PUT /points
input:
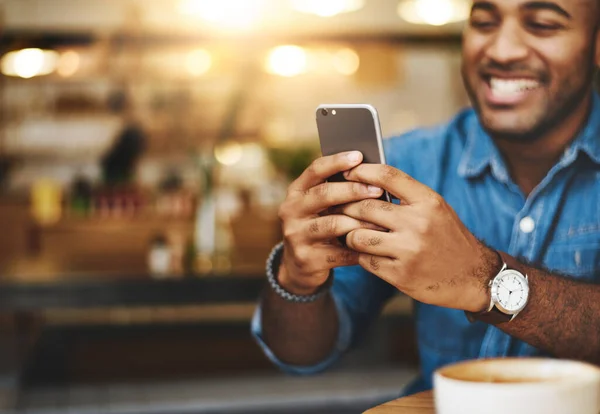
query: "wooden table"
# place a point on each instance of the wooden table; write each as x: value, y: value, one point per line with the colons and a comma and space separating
x: 421, y: 403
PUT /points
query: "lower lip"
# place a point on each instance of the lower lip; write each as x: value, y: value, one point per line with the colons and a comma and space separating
x: 509, y: 100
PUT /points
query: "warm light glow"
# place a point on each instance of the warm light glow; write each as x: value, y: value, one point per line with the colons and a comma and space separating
x: 68, y: 64
x: 433, y: 12
x: 46, y: 201
x: 346, y: 61
x: 28, y: 63
x: 327, y: 8
x: 198, y: 62
x: 235, y: 14
x: 287, y: 61
x: 228, y: 154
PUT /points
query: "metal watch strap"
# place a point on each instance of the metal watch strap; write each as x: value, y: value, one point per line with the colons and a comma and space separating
x: 493, y: 316
x: 272, y: 268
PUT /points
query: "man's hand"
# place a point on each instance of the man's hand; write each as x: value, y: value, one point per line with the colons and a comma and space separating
x: 428, y: 253
x: 311, y: 249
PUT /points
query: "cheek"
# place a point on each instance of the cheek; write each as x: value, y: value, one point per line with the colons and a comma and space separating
x: 469, y: 51
x: 472, y: 53
x: 566, y: 61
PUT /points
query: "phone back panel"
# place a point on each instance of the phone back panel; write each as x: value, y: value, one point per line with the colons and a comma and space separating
x: 352, y: 128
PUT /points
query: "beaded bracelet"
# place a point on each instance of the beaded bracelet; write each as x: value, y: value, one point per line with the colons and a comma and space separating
x: 273, y: 262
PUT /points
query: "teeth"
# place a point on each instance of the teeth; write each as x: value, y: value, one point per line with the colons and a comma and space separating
x: 511, y: 87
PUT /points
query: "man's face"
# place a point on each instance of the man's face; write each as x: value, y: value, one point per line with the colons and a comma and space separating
x: 528, y: 64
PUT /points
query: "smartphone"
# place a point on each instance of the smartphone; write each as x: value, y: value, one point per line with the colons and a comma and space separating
x: 351, y: 127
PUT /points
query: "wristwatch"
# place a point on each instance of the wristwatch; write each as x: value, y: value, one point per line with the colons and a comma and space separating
x: 509, y: 293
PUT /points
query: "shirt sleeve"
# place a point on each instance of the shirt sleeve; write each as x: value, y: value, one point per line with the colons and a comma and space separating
x: 358, y: 297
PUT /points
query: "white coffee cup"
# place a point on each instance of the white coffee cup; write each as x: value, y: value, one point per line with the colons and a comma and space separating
x: 517, y: 386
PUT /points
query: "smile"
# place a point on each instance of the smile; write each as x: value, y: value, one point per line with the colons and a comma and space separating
x: 506, y: 91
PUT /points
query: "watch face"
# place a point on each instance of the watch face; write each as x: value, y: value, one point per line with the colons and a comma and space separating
x: 510, y: 291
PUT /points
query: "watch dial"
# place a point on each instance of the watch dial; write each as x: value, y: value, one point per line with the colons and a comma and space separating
x: 511, y: 291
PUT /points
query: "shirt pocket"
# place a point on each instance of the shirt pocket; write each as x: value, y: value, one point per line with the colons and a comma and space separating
x: 578, y: 259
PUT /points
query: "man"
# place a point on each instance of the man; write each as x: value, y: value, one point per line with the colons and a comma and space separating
x: 518, y: 176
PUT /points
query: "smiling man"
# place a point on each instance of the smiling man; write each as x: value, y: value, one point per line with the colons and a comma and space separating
x: 497, y: 237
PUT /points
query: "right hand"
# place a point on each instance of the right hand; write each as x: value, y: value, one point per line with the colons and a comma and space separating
x: 311, y: 249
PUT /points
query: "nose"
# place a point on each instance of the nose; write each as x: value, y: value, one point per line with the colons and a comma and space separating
x: 507, y: 45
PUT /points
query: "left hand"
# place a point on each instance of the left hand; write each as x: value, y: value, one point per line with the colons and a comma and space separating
x: 428, y: 252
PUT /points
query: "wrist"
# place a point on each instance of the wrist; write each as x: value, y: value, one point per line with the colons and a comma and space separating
x: 286, y: 282
x: 490, y: 263
x: 291, y: 292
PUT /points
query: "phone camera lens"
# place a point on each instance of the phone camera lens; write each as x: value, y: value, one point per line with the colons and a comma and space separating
x: 324, y: 112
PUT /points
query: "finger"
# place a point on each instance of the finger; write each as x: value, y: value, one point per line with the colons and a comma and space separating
x: 328, y: 227
x: 378, y: 212
x: 379, y: 266
x: 324, y: 167
x: 338, y: 210
x: 373, y: 242
x: 396, y: 182
x: 330, y: 257
x: 326, y: 195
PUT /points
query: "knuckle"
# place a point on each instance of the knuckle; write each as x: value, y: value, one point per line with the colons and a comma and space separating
x: 366, y: 206
x: 289, y: 232
x: 389, y: 173
x: 322, y: 190
x: 331, y: 224
x: 422, y: 225
x: 437, y: 202
x: 283, y: 212
x: 293, y: 194
x: 313, y: 228
x: 301, y: 257
x: 384, y: 206
x: 316, y: 166
x: 369, y: 262
x: 289, y: 193
x: 416, y: 247
x: 312, y: 167
x: 374, y: 263
x: 348, y: 257
x: 374, y: 241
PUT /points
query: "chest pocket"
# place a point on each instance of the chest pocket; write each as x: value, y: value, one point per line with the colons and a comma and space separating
x: 576, y: 252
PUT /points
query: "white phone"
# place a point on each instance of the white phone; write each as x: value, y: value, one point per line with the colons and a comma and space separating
x: 351, y: 127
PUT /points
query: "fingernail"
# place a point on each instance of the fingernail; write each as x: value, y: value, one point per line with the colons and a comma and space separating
x: 346, y: 174
x: 374, y: 190
x: 354, y: 156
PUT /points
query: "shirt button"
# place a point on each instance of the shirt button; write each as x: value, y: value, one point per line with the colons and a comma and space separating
x: 527, y: 225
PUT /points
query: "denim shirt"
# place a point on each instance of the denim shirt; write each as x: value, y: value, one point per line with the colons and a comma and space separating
x: 556, y: 227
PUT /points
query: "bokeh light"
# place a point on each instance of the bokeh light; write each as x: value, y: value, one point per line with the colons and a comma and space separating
x: 198, y: 62
x: 68, y: 64
x: 433, y: 12
x: 327, y: 8
x: 27, y: 63
x: 287, y: 61
x: 346, y: 61
x: 231, y: 14
x: 229, y: 153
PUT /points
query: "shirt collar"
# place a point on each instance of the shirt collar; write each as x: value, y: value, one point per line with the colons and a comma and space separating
x: 480, y: 151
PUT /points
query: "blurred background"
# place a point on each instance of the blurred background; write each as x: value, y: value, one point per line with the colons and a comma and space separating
x: 145, y: 146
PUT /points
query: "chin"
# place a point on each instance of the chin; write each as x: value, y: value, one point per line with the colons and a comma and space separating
x: 512, y: 133
x: 516, y: 126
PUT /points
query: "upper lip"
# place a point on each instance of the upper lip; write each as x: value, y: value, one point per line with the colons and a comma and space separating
x: 488, y: 74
